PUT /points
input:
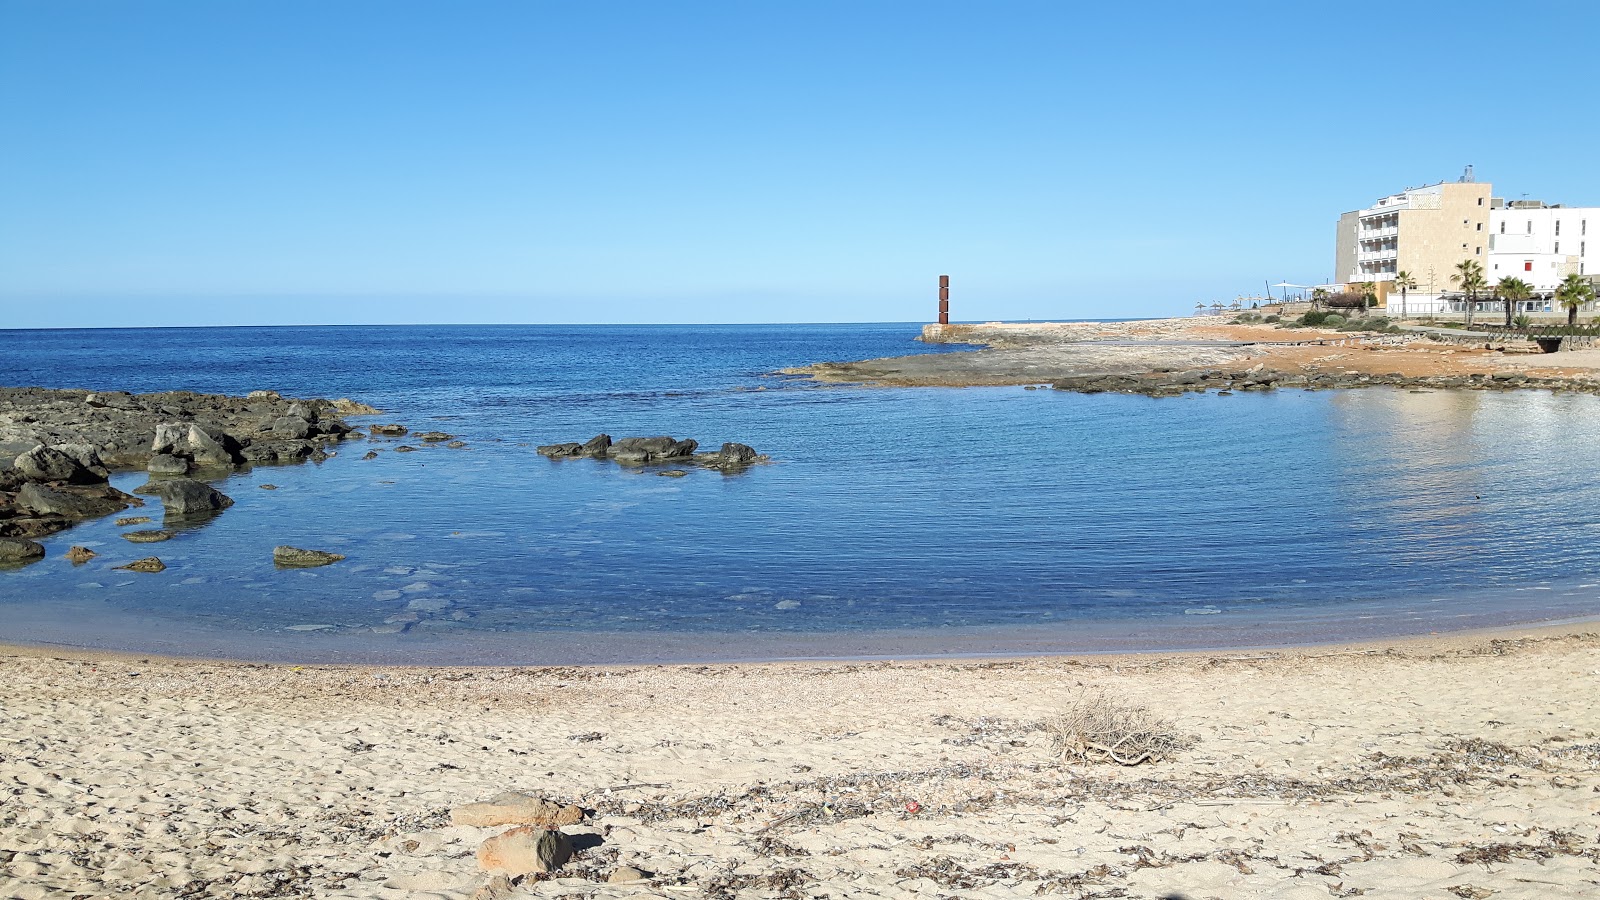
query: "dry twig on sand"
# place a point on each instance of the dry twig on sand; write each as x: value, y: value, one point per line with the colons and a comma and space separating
x: 1101, y: 728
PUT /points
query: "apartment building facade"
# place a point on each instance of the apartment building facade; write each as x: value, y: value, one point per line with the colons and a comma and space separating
x: 1539, y: 243
x: 1428, y: 231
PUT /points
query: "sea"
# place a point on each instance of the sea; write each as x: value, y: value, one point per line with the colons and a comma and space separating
x: 890, y: 522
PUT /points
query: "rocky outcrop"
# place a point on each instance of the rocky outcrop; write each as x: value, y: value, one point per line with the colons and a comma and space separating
x: 296, y: 558
x: 150, y: 564
x: 14, y: 551
x: 68, y: 442
x: 663, y: 449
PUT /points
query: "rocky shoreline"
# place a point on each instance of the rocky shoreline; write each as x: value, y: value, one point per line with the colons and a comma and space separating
x: 1170, y: 357
x: 1171, y: 383
x: 58, y: 449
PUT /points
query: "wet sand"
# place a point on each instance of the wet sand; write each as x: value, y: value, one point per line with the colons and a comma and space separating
x: 1454, y: 766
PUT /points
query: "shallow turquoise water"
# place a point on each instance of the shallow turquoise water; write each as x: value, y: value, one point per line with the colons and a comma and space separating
x: 892, y: 522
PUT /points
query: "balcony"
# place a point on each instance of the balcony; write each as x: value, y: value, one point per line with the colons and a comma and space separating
x: 1377, y: 255
x: 1374, y: 234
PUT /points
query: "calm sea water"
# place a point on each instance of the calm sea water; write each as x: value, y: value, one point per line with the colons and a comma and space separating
x: 892, y: 522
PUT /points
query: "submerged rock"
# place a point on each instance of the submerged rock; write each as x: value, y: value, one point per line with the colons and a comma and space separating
x: 132, y: 520
x: 149, y: 564
x: 388, y: 430
x: 153, y: 536
x: 296, y: 558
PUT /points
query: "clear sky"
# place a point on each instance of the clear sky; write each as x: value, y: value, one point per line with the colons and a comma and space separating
x: 207, y: 162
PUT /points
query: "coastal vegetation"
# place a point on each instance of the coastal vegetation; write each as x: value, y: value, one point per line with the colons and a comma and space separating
x: 1572, y: 293
x: 1469, y: 277
x: 1511, y: 290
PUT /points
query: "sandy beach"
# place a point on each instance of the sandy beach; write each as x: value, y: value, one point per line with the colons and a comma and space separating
x: 1466, y: 766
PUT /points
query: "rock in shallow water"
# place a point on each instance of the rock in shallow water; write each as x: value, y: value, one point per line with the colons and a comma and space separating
x: 15, y: 550
x: 296, y: 558
x: 185, y: 496
x: 80, y: 555
x: 150, y: 564
x: 154, y: 536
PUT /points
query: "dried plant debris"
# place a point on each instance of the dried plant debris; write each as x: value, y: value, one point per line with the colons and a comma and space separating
x: 1100, y: 728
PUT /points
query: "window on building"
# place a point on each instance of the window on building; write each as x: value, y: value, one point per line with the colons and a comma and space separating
x: 1558, y: 247
x: 1480, y: 201
x: 1583, y: 248
x: 1480, y: 226
x: 1530, y: 226
x: 1477, y: 251
x: 1527, y: 265
x: 1502, y: 226
x: 1558, y: 228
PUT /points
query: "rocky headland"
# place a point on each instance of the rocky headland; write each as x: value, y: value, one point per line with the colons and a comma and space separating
x: 1169, y: 357
x: 58, y: 449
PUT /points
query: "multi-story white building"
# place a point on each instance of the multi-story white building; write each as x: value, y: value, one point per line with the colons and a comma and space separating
x: 1538, y: 243
x: 1427, y: 232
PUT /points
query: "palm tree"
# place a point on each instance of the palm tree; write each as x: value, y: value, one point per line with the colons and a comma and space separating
x: 1469, y: 275
x: 1511, y: 290
x: 1572, y: 293
x: 1369, y: 294
x: 1404, y: 282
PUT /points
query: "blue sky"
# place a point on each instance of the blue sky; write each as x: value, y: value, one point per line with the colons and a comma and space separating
x: 292, y: 162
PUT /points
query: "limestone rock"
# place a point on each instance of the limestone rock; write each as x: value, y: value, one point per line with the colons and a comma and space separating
x: 148, y: 564
x: 736, y: 455
x: 625, y: 874
x: 51, y: 464
x: 15, y: 550
x: 434, y: 437
x: 192, y: 442
x: 80, y: 555
x: 515, y: 809
x: 132, y: 520
x: 344, y: 406
x: 388, y: 430
x: 47, y: 501
x: 167, y: 464
x: 296, y: 558
x: 152, y: 536
x: 185, y: 496
x: 524, y: 851
x: 370, y: 454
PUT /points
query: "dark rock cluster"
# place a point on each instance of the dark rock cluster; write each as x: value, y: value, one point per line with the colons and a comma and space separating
x: 643, y: 451
x: 59, y: 447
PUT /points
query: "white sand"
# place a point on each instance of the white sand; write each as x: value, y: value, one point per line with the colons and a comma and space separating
x: 1316, y: 773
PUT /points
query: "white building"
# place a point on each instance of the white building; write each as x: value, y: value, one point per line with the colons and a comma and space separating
x: 1539, y: 244
x: 1426, y: 232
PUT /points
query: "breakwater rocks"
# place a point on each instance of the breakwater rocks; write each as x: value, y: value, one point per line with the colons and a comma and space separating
x: 59, y: 447
x: 1172, y: 383
x: 643, y: 451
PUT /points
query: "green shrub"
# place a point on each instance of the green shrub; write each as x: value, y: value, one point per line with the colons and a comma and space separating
x: 1522, y: 321
x: 1314, y: 318
x: 1331, y: 320
x: 1273, y: 319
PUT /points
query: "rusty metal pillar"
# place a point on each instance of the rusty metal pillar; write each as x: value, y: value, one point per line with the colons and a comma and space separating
x: 944, y: 299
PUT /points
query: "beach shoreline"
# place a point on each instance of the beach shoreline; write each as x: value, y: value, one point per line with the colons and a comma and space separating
x: 1408, y: 768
